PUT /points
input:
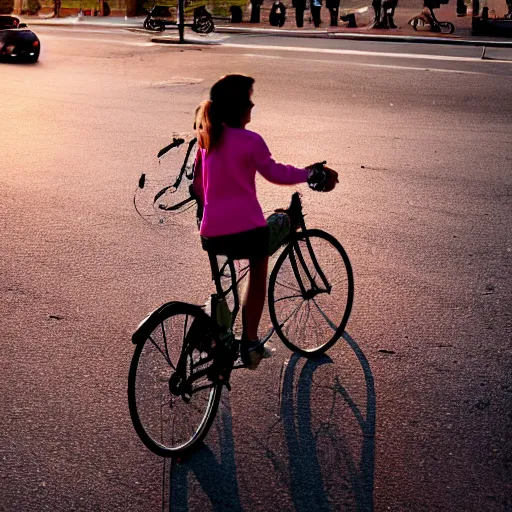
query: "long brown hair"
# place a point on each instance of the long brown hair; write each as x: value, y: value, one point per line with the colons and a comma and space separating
x: 228, y: 104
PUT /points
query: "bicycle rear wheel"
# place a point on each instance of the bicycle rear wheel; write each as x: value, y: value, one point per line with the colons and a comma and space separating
x: 172, y: 403
x: 310, y: 294
x: 154, y: 25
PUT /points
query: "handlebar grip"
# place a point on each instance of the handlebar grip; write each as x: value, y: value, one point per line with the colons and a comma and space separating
x: 317, y: 177
x: 320, y: 177
x: 318, y: 165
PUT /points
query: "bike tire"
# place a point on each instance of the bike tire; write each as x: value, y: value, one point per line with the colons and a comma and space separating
x: 284, y: 279
x: 448, y: 25
x: 155, y: 25
x: 168, y: 424
x: 204, y: 25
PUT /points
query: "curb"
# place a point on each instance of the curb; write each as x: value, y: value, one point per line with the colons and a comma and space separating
x: 367, y: 37
x: 425, y: 40
x: 316, y: 34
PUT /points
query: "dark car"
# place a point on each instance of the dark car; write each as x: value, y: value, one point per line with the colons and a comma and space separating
x: 17, y: 42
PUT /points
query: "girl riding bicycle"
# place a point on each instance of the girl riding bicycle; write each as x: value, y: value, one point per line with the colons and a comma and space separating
x: 232, y: 220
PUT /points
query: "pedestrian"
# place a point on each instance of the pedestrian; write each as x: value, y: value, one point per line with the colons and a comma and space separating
x: 428, y: 12
x: 236, y: 14
x: 232, y: 220
x: 389, y: 12
x: 255, y: 10
x: 377, y: 6
x: 386, y: 15
x: 277, y: 15
x: 316, y: 6
x: 334, y: 9
x: 300, y: 7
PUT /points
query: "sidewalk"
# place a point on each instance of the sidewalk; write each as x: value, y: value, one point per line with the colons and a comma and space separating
x: 404, y: 32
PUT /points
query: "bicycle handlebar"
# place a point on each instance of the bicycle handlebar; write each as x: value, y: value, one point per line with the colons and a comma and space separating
x: 322, y: 178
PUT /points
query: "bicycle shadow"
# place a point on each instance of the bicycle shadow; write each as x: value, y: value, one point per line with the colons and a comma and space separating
x: 320, y: 450
x: 217, y: 478
x: 321, y: 462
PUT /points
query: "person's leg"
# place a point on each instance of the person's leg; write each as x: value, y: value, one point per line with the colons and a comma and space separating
x: 255, y: 13
x: 384, y: 14
x: 299, y: 17
x: 391, y: 21
x: 376, y: 8
x: 315, y: 11
x: 254, y: 298
x: 334, y: 16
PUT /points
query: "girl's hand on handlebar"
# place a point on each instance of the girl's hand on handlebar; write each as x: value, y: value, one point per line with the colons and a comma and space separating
x: 321, y: 178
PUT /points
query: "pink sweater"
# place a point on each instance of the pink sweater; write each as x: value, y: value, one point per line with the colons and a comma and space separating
x: 225, y: 180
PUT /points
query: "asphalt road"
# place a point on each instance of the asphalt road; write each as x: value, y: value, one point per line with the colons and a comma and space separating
x: 412, y: 412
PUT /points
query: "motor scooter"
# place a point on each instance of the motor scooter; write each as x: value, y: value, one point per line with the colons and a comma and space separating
x: 159, y: 18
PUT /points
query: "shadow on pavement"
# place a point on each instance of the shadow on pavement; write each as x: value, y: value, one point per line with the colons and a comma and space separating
x: 321, y: 448
x: 217, y: 478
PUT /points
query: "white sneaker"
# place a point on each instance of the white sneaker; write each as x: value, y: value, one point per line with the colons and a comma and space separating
x: 254, y: 353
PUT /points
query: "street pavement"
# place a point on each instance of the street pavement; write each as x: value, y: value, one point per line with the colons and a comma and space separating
x: 409, y: 412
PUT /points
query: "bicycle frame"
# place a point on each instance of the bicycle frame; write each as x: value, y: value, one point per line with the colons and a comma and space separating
x: 180, y: 385
x: 297, y: 260
x: 217, y: 273
x: 296, y: 249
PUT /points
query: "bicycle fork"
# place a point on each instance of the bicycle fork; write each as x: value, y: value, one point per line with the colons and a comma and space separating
x: 296, y: 258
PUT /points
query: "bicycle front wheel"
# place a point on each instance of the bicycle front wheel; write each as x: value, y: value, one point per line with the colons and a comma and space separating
x: 203, y: 25
x: 310, y: 293
x: 447, y: 27
x: 172, y: 403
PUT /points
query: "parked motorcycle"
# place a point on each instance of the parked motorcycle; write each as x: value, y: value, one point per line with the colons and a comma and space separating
x: 160, y: 17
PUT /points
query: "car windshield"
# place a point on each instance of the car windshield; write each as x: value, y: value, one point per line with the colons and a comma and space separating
x: 8, y: 22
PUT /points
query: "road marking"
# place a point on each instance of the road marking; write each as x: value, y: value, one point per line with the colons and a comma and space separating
x: 172, y: 82
x: 91, y: 40
x: 361, y: 53
x: 366, y: 64
x: 84, y: 30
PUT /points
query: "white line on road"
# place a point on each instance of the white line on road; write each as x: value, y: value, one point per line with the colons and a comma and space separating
x: 84, y: 30
x: 112, y: 41
x: 362, y: 53
x: 365, y: 64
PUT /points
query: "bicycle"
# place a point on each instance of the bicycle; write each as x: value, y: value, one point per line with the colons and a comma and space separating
x: 427, y: 18
x: 184, y: 356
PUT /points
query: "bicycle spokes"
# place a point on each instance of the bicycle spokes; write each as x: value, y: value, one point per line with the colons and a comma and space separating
x: 172, y: 400
x: 310, y: 292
